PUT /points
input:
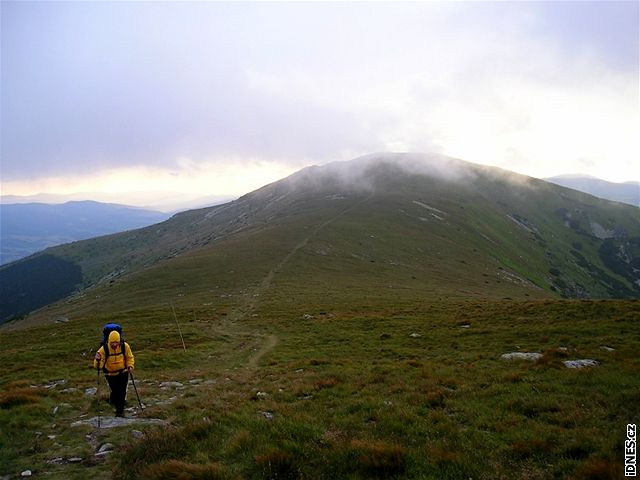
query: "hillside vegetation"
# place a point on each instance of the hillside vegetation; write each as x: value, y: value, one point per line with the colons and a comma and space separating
x: 429, y: 225
x: 348, y: 322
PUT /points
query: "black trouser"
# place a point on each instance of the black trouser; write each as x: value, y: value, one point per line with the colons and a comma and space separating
x: 118, y: 385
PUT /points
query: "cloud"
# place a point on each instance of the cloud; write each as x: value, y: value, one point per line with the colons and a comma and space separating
x: 537, y: 87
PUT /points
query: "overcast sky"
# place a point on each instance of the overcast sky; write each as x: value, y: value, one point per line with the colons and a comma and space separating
x: 221, y: 98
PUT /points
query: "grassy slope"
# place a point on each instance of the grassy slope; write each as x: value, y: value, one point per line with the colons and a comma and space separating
x: 352, y: 393
x: 317, y: 310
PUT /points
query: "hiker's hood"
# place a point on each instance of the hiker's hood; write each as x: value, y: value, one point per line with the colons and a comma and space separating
x: 114, y: 337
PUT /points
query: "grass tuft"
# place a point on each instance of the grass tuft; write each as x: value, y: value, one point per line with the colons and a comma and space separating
x: 599, y: 469
x: 177, y: 470
x: 18, y: 396
x: 276, y: 463
x: 379, y: 458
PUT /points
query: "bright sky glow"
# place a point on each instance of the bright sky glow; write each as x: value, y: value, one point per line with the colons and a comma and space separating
x: 214, y: 98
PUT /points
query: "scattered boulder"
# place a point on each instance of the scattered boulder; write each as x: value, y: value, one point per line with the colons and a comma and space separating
x: 26, y: 473
x: 54, y: 384
x: 167, y: 385
x: 106, y: 447
x: 531, y: 356
x: 111, y: 422
x: 415, y: 335
x: 90, y: 391
x: 582, y: 363
x: 267, y: 415
x: 168, y: 401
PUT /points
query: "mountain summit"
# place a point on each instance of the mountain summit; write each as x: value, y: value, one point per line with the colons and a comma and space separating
x: 401, y: 226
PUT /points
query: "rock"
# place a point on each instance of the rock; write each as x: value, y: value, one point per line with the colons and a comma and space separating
x: 61, y: 319
x: 55, y: 410
x: 531, y: 356
x: 415, y: 335
x: 90, y: 391
x: 582, y: 363
x: 106, y: 447
x: 56, y: 461
x: 74, y: 460
x: 137, y: 434
x: 210, y: 382
x: 195, y: 381
x: 26, y: 473
x: 306, y: 316
x: 608, y: 349
x: 167, y: 385
x: 54, y: 384
x: 111, y: 422
x: 262, y: 394
x: 267, y: 415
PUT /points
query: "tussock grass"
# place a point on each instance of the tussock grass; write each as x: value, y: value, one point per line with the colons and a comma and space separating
x: 177, y: 470
x: 347, y: 395
x: 19, y: 396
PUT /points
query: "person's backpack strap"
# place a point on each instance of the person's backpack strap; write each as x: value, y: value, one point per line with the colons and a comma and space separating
x: 107, y: 329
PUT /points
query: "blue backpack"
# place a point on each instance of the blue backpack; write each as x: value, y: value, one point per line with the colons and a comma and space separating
x: 106, y: 330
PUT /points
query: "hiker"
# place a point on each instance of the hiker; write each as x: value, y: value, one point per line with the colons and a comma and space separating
x: 116, y: 365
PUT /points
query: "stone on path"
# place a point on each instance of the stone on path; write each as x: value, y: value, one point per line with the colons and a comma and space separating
x: 531, y: 356
x: 111, y: 422
x: 167, y: 385
x: 582, y: 363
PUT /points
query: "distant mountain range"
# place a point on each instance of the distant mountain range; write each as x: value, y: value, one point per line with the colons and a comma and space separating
x: 392, y: 226
x: 628, y: 192
x: 31, y: 227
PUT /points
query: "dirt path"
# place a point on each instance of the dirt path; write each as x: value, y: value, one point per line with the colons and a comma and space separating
x: 266, y: 282
x: 253, y: 297
x: 270, y: 343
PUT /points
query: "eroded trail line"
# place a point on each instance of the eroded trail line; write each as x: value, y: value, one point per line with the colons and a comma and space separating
x: 248, y: 305
x: 253, y: 297
x: 269, y: 344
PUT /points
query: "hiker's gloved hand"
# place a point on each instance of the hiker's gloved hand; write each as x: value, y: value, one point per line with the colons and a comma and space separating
x: 130, y: 368
x: 98, y: 356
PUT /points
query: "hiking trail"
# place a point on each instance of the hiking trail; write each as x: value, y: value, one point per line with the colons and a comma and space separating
x: 251, y: 298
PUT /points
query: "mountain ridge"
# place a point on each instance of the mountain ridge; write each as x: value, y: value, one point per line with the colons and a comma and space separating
x: 402, y: 224
x: 625, y: 192
x: 31, y: 227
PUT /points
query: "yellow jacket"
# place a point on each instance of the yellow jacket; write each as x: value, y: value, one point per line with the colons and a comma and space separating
x: 115, y: 362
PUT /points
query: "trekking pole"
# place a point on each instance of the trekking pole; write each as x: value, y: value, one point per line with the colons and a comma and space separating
x: 98, y: 395
x: 179, y: 331
x: 134, y: 387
